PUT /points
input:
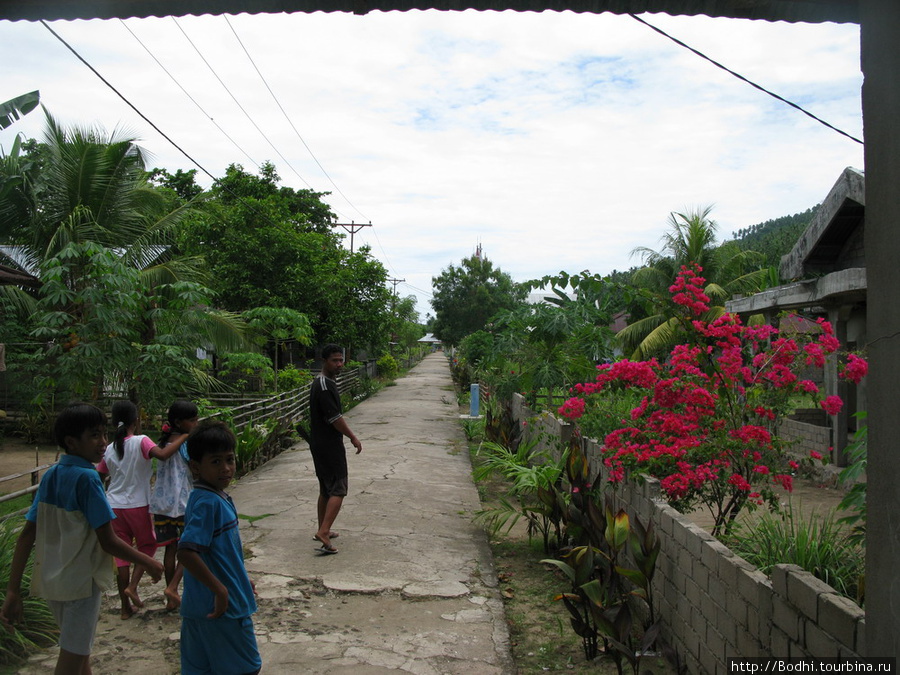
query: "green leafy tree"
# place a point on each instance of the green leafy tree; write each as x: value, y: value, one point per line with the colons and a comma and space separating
x: 267, y: 246
x: 466, y: 297
x: 556, y: 342
x: 404, y: 322
x: 182, y: 183
x: 104, y: 290
x: 279, y: 324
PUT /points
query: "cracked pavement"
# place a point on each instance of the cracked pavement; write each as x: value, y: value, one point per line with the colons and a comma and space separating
x: 413, y: 588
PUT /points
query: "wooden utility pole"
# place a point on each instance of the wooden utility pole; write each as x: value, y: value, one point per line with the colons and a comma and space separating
x: 352, y: 228
x: 395, y: 282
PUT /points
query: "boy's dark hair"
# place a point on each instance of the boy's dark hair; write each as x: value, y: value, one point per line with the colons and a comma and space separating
x: 330, y: 349
x: 75, y: 419
x: 124, y: 414
x: 210, y: 436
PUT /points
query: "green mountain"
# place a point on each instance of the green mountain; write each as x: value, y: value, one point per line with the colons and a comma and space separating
x: 774, y: 238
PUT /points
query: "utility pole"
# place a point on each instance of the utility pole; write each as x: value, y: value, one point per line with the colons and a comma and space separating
x: 395, y: 282
x: 352, y: 228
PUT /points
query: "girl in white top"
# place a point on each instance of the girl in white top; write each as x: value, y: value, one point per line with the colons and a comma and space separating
x: 170, y: 494
x: 127, y: 463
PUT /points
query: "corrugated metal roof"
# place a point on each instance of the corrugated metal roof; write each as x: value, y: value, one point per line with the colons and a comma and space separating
x: 812, y: 11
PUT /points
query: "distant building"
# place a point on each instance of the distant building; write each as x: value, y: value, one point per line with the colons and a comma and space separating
x: 429, y: 338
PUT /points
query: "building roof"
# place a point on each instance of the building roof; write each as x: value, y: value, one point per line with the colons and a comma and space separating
x: 429, y: 337
x: 813, y: 11
x: 831, y: 250
x: 838, y: 220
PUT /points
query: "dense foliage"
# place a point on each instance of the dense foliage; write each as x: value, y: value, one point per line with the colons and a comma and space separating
x: 774, y: 238
x: 690, y: 240
x: 466, y: 297
x: 116, y: 279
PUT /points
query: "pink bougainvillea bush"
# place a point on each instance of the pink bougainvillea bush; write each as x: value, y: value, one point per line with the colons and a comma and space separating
x: 706, y: 420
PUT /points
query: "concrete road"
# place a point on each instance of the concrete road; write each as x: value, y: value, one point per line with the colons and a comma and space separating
x: 413, y: 587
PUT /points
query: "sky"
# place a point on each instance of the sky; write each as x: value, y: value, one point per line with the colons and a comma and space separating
x: 555, y: 141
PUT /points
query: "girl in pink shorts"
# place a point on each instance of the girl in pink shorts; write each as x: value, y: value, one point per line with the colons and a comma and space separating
x: 127, y: 462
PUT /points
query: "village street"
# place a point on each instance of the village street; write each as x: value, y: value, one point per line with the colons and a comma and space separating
x: 413, y: 587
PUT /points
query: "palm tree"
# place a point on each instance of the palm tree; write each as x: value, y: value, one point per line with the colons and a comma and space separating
x: 79, y: 209
x: 90, y: 187
x: 690, y: 239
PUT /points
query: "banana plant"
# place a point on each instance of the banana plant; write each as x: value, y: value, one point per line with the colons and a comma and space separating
x: 13, y: 109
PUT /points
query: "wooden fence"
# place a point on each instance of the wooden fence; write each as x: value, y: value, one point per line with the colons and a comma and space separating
x: 288, y: 408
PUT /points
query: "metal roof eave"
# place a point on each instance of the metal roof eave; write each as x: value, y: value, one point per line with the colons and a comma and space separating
x: 813, y: 11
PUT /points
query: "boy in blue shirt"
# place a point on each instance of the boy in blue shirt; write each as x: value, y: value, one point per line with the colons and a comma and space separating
x: 69, y: 526
x: 218, y: 600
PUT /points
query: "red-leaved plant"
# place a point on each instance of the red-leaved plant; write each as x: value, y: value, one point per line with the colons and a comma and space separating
x: 706, y: 426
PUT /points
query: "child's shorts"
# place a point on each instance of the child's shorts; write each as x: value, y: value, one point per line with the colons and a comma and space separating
x: 220, y: 646
x: 168, y: 529
x: 135, y: 527
x: 77, y: 621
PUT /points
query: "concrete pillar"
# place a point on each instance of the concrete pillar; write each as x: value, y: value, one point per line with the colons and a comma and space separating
x: 835, y: 386
x: 880, y: 28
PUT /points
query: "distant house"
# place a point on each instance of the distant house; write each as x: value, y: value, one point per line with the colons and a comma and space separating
x: 436, y: 344
x: 828, y: 270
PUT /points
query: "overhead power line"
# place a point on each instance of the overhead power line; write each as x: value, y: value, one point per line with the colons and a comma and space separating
x: 234, y: 98
x: 286, y: 117
x: 206, y: 114
x: 250, y: 205
x: 744, y: 79
x: 127, y: 102
x: 190, y: 158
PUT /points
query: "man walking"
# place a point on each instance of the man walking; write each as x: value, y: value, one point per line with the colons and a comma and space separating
x: 327, y: 430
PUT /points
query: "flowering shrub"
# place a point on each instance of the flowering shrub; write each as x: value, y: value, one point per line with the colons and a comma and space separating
x: 705, y: 425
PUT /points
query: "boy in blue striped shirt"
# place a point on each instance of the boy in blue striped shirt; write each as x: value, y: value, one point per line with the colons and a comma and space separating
x: 217, y: 602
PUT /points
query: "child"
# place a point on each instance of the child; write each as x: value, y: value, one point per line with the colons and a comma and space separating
x: 170, y: 494
x: 127, y: 462
x: 69, y: 526
x: 216, y: 629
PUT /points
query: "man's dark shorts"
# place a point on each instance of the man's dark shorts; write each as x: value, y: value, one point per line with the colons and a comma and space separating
x: 333, y: 487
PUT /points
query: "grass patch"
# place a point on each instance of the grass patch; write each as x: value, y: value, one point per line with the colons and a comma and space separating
x: 819, y: 544
x: 38, y: 629
x: 14, y: 505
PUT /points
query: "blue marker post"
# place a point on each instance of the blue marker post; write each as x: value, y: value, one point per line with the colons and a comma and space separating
x: 474, y: 400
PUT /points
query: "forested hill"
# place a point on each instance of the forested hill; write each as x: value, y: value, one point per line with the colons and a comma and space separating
x: 774, y: 238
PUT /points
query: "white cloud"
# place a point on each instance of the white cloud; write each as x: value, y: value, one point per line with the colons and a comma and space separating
x: 558, y: 141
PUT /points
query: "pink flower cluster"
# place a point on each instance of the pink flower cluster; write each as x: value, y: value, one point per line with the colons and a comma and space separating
x: 687, y: 290
x: 855, y: 369
x: 706, y: 422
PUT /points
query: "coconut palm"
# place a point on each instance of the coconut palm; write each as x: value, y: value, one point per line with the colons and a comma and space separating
x: 691, y: 239
x: 82, y: 223
x: 90, y: 187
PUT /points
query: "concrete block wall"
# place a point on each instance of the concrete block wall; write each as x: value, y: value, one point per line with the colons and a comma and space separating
x: 714, y: 605
x: 805, y: 437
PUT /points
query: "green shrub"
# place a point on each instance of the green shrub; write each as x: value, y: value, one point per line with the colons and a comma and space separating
x: 290, y: 377
x: 818, y: 544
x: 387, y: 366
x: 38, y: 629
x: 476, y: 347
x: 247, y: 370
